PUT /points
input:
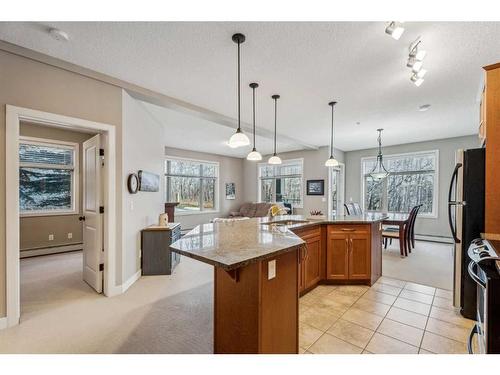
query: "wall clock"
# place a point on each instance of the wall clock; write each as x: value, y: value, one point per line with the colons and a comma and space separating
x: 133, y: 183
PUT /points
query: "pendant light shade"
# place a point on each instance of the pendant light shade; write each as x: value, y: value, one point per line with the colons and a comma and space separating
x: 238, y: 139
x: 275, y: 159
x: 331, y: 162
x: 254, y: 155
x: 379, y: 172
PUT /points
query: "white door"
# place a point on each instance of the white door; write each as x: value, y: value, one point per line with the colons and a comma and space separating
x: 92, y: 218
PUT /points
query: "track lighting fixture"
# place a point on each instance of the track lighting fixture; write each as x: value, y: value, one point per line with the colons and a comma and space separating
x: 395, y: 30
x: 415, y: 62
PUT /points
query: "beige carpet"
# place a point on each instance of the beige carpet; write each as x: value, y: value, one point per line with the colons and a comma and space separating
x: 430, y: 263
x: 158, y: 314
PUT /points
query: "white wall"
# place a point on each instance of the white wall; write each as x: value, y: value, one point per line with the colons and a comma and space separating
x: 230, y: 170
x: 142, y: 150
x: 447, y: 147
x: 314, y: 169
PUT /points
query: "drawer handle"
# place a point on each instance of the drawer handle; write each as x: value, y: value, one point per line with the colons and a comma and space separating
x: 348, y: 229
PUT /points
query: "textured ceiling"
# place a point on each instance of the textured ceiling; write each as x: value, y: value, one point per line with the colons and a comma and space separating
x: 308, y: 64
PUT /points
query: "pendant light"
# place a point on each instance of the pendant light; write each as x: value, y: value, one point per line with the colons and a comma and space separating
x: 239, y: 138
x: 379, y: 172
x: 275, y: 159
x: 254, y: 155
x: 331, y: 162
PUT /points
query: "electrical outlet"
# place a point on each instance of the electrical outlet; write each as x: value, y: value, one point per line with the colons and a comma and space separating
x: 51, y: 237
x: 70, y: 235
x: 271, y: 269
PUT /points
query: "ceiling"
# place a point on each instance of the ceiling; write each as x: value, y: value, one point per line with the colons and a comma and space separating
x: 307, y: 63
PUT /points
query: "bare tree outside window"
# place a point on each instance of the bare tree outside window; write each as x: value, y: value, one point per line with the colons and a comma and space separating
x: 281, y: 183
x: 412, y: 181
x: 193, y: 184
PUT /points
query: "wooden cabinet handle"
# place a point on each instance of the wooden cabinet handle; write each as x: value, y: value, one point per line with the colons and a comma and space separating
x: 350, y: 240
x: 348, y: 229
x: 347, y: 244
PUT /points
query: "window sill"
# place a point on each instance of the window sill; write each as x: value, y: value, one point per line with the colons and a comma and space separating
x: 196, y: 213
x: 41, y: 214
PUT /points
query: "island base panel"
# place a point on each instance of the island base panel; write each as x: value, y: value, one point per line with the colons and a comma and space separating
x: 253, y: 314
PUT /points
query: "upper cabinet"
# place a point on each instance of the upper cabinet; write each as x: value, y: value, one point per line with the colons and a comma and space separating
x: 491, y: 121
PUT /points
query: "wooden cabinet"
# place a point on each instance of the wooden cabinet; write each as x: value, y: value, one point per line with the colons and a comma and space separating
x: 311, y: 263
x: 337, y: 256
x: 348, y: 252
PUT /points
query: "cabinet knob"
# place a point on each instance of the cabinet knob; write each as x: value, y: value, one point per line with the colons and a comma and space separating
x: 81, y: 218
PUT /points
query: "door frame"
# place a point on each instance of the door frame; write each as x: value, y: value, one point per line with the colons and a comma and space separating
x: 14, y: 116
x: 341, y: 191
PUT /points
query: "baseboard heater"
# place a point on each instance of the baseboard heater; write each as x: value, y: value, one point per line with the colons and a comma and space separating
x: 33, y: 252
x: 433, y: 238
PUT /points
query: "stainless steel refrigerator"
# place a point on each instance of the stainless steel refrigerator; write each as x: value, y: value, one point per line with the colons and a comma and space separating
x: 466, y: 217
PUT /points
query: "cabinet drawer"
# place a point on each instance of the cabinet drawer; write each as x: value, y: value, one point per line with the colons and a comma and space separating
x: 308, y: 232
x: 348, y: 228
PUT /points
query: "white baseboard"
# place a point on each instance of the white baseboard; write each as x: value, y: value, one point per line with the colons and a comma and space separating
x: 3, y: 323
x: 132, y: 279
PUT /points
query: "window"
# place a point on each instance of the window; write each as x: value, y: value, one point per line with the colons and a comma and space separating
x: 194, y: 184
x: 48, y: 177
x: 281, y: 183
x: 413, y: 180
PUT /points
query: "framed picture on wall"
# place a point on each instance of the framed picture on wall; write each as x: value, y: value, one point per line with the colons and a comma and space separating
x: 315, y: 187
x: 148, y: 181
x: 230, y: 190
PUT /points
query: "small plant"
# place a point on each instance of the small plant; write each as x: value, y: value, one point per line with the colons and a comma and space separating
x: 316, y: 212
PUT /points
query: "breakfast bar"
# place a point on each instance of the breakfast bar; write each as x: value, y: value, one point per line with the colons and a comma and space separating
x: 260, y: 267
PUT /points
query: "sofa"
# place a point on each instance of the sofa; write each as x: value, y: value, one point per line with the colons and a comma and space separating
x: 253, y: 210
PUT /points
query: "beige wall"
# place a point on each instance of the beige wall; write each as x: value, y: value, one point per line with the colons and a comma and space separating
x: 27, y: 83
x: 314, y: 169
x: 447, y: 147
x: 230, y: 170
x: 143, y: 148
x: 35, y: 230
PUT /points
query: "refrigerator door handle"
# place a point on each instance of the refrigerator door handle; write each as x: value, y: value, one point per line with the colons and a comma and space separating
x: 452, y: 203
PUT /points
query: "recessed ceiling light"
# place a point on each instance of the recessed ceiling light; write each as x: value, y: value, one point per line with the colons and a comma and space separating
x: 59, y: 35
x: 424, y: 107
x: 358, y: 123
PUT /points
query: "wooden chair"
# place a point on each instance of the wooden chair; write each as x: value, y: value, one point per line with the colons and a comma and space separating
x: 411, y: 233
x: 388, y: 234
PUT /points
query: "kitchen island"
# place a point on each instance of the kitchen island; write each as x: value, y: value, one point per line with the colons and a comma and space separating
x: 259, y: 266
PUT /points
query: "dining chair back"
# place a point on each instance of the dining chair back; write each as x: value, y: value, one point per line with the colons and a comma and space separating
x: 411, y: 226
x: 349, y: 210
x: 357, y: 209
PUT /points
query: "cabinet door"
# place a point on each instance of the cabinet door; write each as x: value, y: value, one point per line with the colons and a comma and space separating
x: 337, y: 256
x: 312, y: 263
x: 359, y: 256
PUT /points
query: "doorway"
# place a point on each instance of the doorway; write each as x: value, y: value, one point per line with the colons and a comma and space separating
x: 97, y: 200
x: 336, y: 187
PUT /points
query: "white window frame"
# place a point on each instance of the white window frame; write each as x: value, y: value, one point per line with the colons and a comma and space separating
x: 217, y: 185
x: 435, y: 195
x: 75, y: 182
x: 284, y: 162
x: 341, y: 190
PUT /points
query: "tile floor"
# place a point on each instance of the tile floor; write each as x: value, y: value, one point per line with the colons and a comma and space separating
x: 391, y: 317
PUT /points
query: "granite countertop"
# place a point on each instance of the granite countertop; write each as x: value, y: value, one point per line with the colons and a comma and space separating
x: 234, y: 244
x: 300, y: 221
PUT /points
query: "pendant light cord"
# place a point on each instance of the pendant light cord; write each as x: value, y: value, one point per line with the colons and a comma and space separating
x: 331, y: 144
x: 253, y: 110
x: 239, y: 84
x: 275, y: 117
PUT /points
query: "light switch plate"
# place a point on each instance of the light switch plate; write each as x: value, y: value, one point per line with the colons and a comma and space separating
x: 70, y: 235
x: 51, y: 237
x: 271, y: 269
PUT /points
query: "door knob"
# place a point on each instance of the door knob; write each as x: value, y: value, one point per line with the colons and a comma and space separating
x: 81, y: 218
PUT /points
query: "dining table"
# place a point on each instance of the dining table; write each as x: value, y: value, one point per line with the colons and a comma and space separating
x: 399, y: 220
